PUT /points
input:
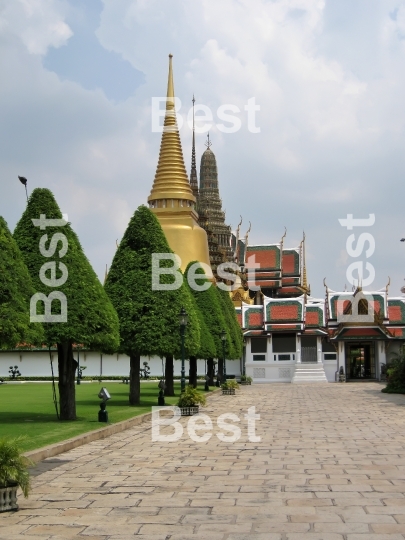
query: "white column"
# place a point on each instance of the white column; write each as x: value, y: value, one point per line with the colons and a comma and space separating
x: 298, y: 347
x: 381, y: 357
x: 319, y: 349
x: 341, y: 355
x: 269, y: 349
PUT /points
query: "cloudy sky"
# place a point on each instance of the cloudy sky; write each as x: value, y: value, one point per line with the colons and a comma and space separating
x: 78, y: 78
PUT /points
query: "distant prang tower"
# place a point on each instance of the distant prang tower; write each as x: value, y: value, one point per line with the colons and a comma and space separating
x: 209, y: 205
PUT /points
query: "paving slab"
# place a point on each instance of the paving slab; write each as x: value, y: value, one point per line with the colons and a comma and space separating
x: 325, y: 462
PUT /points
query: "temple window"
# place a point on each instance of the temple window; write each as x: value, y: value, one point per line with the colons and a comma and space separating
x: 347, y: 307
x: 363, y: 307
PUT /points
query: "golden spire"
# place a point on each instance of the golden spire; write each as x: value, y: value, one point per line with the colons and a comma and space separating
x: 304, y: 269
x: 171, y: 199
x: 171, y: 180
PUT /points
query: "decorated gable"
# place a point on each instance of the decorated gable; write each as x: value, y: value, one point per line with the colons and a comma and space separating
x: 252, y: 316
x: 314, y: 316
x: 396, y: 311
x: 346, y: 303
x: 267, y: 257
x: 291, y: 265
x: 283, y: 311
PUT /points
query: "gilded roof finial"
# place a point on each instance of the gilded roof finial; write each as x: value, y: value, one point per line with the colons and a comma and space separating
x: 284, y: 235
x: 236, y: 252
x: 304, y: 267
x: 246, y: 240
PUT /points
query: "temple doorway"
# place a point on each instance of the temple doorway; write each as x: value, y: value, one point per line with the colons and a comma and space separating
x: 360, y: 360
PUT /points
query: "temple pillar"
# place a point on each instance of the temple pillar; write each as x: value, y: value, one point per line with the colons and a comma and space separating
x: 319, y: 349
x: 269, y: 349
x: 341, y: 356
x: 298, y: 348
x: 381, y: 358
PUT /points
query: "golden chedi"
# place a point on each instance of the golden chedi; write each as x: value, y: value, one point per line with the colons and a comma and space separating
x: 171, y: 198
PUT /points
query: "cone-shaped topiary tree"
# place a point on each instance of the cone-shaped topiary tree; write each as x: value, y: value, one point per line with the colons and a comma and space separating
x: 71, y: 300
x: 16, y: 291
x: 234, y: 333
x: 209, y: 304
x: 148, y: 315
x: 207, y: 346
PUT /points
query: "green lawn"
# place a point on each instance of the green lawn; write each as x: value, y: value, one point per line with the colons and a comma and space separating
x: 28, y: 409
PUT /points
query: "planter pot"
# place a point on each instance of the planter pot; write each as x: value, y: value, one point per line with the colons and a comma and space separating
x: 245, y: 383
x: 228, y: 392
x: 189, y: 411
x: 8, y: 497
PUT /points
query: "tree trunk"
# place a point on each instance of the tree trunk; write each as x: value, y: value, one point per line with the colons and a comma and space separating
x: 134, y: 379
x: 210, y: 371
x: 192, y: 375
x: 221, y: 370
x: 169, y: 369
x: 67, y: 369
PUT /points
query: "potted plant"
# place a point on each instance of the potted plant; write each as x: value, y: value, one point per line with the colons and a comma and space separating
x: 13, y: 473
x: 229, y: 387
x: 189, y: 401
x: 244, y: 380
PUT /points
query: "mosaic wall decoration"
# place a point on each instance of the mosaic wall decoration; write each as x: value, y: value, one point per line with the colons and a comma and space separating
x: 396, y: 311
x: 268, y: 257
x: 314, y: 316
x: 287, y: 310
x: 259, y: 373
x: 284, y: 373
x: 291, y: 263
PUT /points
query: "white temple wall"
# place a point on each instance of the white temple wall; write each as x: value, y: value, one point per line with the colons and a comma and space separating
x: 37, y: 364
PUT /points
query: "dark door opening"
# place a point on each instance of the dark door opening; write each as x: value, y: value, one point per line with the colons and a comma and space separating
x: 360, y: 361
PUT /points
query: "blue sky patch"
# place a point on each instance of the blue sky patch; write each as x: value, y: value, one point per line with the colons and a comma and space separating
x: 85, y: 61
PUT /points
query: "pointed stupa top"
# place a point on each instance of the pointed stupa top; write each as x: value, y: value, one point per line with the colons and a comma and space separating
x: 193, y: 172
x: 208, y: 169
x: 171, y: 180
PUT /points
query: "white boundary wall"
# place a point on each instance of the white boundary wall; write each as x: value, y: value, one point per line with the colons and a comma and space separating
x: 37, y: 364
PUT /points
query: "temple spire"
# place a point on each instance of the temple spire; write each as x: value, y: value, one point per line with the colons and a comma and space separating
x: 171, y: 198
x: 193, y: 172
x: 171, y: 180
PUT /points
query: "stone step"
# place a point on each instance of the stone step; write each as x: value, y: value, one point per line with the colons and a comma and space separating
x: 309, y: 373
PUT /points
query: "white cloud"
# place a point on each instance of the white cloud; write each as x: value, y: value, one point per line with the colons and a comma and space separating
x: 332, y: 118
x: 38, y: 23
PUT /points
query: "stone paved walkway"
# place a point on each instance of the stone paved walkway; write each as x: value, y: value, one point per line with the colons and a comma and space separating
x: 330, y: 466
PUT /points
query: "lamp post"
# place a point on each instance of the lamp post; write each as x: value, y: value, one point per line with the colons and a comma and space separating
x: 78, y: 367
x: 223, y: 338
x: 183, y: 320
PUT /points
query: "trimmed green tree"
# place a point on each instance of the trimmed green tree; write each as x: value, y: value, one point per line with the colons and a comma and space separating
x: 149, y: 324
x: 234, y: 346
x: 71, y: 301
x: 207, y: 346
x: 16, y: 291
x: 209, y: 304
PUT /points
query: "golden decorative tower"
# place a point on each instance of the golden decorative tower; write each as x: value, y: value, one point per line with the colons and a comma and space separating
x: 171, y: 198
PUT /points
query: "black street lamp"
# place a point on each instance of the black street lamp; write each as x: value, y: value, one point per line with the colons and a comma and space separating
x: 78, y: 367
x: 223, y: 338
x: 183, y: 320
